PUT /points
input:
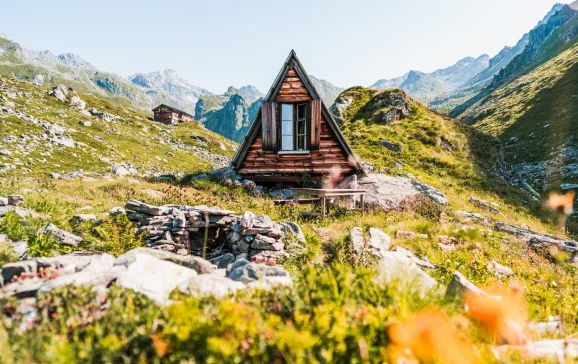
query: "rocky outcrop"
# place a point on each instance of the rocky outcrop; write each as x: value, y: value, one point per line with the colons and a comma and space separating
x: 396, y: 193
x: 538, y: 240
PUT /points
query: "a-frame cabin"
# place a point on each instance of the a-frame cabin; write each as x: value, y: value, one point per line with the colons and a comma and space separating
x: 294, y: 134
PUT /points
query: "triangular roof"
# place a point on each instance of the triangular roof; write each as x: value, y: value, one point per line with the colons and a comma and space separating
x: 293, y: 61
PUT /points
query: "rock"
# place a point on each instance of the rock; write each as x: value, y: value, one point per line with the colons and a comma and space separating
x: 391, y: 146
x: 154, y: 277
x: 459, y: 287
x: 339, y: 106
x: 63, y: 237
x: 242, y: 270
x: 468, y: 217
x: 212, y: 211
x: 396, y: 266
x: 145, y: 208
x: 76, y: 101
x: 115, y: 211
x: 223, y: 261
x: 247, y: 220
x: 210, y: 285
x: 59, y: 92
x: 85, y: 123
x: 22, y: 212
x: 269, y: 283
x: 275, y: 234
x: 500, y: 270
x: 99, y: 279
x: 3, y: 201
x: 80, y: 218
x: 409, y: 235
x: 357, y: 242
x: 558, y: 351
x: 263, y: 222
x: 484, y: 205
x: 200, y: 265
x: 378, y: 241
x: 253, y: 231
x: 290, y: 227
x: 11, y: 270
x: 424, y: 263
x: 396, y: 193
x: 264, y: 243
x: 15, y: 200
x: 537, y: 240
x: 550, y: 328
x: 20, y: 248
x: 22, y: 289
x: 79, y: 261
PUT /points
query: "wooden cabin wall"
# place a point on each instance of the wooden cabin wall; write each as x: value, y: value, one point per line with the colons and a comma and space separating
x: 319, y: 162
x: 292, y: 89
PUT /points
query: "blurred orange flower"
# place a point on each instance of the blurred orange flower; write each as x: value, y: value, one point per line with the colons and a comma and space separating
x: 502, y: 313
x: 429, y: 337
x: 161, y: 347
x: 562, y: 203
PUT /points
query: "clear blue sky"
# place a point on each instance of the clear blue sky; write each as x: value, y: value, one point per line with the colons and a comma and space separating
x: 217, y: 43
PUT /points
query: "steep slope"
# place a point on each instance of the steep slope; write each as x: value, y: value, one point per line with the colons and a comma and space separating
x: 445, y: 103
x: 229, y: 114
x: 182, y: 93
x: 535, y: 115
x: 326, y: 89
x: 435, y: 147
x: 251, y: 93
x: 41, y: 134
x: 545, y: 42
x: 427, y: 86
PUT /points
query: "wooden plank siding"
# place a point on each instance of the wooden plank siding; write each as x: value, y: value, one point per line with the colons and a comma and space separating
x: 316, y: 163
x: 293, y: 89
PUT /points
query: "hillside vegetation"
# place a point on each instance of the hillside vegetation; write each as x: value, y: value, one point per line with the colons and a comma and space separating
x: 41, y: 135
x: 340, y: 307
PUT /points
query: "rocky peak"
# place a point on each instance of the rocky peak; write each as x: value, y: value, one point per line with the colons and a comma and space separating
x: 251, y: 93
x: 73, y: 60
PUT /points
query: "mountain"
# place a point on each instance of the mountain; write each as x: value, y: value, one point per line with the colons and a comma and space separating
x: 326, y: 89
x: 144, y: 91
x: 445, y: 103
x: 427, y: 86
x: 531, y: 104
x: 251, y: 93
x: 231, y: 113
x: 182, y: 94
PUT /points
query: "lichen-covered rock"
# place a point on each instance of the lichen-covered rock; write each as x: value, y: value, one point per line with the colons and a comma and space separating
x: 396, y: 193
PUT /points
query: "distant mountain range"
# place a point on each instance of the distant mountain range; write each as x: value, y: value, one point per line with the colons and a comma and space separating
x: 427, y: 86
x: 445, y: 89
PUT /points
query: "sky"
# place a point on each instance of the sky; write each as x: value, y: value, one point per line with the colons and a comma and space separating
x: 218, y: 43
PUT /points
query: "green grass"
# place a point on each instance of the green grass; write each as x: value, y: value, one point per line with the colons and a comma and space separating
x: 338, y: 309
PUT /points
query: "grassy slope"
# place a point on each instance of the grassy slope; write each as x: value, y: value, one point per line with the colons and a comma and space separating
x: 130, y: 138
x: 336, y: 307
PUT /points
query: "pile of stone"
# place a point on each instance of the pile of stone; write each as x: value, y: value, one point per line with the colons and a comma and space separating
x: 220, y: 234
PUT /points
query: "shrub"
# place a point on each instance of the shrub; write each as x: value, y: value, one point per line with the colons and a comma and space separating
x: 115, y: 236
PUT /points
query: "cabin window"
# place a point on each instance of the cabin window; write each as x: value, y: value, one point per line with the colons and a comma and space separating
x: 293, y: 127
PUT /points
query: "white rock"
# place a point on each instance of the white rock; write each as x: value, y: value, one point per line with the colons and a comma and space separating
x: 154, y: 278
x: 210, y: 285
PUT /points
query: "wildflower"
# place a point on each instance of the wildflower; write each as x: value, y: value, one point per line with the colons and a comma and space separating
x: 501, y: 313
x: 161, y: 347
x: 561, y: 203
x: 429, y: 337
x: 563, y: 206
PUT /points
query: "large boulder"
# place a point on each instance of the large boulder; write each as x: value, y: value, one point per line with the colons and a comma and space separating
x: 398, y: 266
x: 396, y: 193
x: 153, y: 277
x: 200, y: 265
x: 63, y: 237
